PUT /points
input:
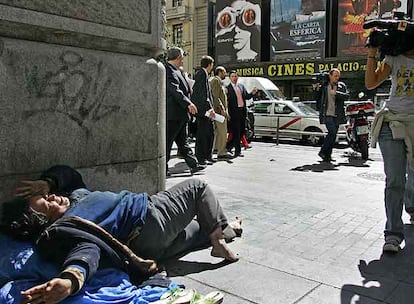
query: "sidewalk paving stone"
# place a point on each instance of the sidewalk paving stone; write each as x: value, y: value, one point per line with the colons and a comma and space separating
x: 313, y: 233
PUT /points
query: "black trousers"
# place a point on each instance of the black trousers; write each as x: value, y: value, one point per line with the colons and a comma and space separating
x: 238, y: 128
x: 204, y: 139
x: 177, y: 131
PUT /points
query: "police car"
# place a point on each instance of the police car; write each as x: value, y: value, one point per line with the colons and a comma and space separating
x: 290, y: 119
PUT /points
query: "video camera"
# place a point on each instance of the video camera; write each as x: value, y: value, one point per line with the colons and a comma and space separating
x: 320, y: 78
x: 392, y: 36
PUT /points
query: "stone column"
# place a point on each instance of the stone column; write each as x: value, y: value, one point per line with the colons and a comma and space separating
x: 78, y: 87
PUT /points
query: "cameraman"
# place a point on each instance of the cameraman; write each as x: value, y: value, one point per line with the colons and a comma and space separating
x: 394, y: 129
x: 330, y: 99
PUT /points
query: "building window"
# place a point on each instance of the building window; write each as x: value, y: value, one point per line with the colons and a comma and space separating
x: 178, y: 34
x: 177, y: 3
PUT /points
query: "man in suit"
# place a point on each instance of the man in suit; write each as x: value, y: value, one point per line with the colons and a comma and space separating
x: 220, y: 106
x: 179, y: 107
x: 205, y: 114
x: 236, y: 97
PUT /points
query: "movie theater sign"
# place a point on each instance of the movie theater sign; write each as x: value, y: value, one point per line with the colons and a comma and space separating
x: 298, y: 69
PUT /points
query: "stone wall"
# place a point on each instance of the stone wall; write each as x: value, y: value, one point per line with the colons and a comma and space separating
x: 78, y: 87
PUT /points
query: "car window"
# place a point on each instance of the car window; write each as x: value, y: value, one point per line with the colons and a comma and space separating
x: 306, y: 110
x: 276, y: 94
x: 263, y: 108
x: 282, y: 109
x: 260, y: 95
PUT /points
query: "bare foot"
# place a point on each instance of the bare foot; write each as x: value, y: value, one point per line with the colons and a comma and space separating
x: 220, y: 250
x: 236, y: 226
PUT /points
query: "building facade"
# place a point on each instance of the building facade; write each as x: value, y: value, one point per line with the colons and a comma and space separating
x: 188, y: 28
x: 293, y: 39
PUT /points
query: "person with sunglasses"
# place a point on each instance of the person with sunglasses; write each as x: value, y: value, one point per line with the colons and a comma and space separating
x: 242, y: 22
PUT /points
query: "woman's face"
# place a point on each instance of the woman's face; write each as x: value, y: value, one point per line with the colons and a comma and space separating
x: 241, y: 39
x: 52, y: 206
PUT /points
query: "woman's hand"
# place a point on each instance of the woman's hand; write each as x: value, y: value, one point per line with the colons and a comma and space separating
x: 50, y: 292
x: 31, y: 188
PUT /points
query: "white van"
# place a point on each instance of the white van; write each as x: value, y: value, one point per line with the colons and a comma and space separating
x: 266, y: 89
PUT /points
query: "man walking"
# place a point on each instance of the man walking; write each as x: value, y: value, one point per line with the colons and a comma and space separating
x: 205, y: 115
x: 237, y: 96
x: 330, y: 104
x: 220, y: 106
x: 179, y: 107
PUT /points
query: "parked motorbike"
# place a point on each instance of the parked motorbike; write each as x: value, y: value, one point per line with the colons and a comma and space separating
x: 358, y: 126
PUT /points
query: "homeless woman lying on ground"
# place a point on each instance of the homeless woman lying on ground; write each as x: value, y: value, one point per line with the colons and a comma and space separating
x: 88, y: 229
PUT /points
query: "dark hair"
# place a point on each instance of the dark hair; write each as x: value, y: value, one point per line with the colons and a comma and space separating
x: 393, y: 37
x: 233, y: 72
x: 205, y: 61
x: 20, y: 221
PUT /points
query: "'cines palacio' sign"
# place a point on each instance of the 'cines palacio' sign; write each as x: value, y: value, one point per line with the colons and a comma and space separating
x: 298, y: 69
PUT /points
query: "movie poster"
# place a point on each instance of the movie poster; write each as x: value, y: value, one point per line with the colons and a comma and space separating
x: 297, y: 29
x: 238, y: 36
x: 351, y: 16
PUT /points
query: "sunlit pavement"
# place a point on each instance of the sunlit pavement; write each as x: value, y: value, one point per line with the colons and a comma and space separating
x: 312, y: 230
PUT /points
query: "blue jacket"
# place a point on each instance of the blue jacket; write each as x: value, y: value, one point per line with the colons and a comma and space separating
x: 117, y: 213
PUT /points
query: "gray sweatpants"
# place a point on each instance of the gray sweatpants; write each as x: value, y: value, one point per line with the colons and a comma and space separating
x: 178, y: 220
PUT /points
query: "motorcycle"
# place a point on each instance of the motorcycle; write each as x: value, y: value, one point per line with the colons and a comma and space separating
x: 358, y: 126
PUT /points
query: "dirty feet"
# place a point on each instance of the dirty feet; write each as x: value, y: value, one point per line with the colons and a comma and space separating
x: 236, y: 226
x: 220, y: 250
x: 233, y: 230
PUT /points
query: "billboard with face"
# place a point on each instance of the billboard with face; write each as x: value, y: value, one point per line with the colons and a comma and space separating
x: 238, y: 31
x: 297, y: 29
x: 351, y: 16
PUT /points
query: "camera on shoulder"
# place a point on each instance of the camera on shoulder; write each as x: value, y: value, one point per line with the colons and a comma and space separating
x: 320, y: 78
x: 392, y: 36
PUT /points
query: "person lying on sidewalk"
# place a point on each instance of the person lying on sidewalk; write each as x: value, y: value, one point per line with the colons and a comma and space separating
x: 154, y: 227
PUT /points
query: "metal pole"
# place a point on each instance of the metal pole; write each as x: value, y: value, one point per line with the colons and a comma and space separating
x: 277, y: 131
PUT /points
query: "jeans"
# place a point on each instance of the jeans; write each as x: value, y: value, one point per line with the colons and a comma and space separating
x: 170, y: 226
x: 329, y: 141
x: 399, y: 182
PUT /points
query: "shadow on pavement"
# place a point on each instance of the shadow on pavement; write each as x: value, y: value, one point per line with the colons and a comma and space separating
x: 317, y: 167
x: 295, y: 142
x: 181, y: 169
x: 328, y: 166
x: 390, y: 279
x: 182, y: 268
x: 355, y: 162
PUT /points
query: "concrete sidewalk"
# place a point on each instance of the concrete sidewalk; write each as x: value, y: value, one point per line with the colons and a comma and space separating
x: 312, y: 231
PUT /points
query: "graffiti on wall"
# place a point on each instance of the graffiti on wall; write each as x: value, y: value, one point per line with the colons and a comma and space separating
x: 70, y: 90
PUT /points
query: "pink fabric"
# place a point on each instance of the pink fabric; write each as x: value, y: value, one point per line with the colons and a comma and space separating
x: 240, y: 100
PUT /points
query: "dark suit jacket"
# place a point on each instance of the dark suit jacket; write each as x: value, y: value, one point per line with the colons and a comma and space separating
x: 201, y: 93
x: 232, y: 100
x: 178, y: 94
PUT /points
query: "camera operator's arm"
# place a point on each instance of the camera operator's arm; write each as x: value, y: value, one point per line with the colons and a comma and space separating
x: 375, y: 76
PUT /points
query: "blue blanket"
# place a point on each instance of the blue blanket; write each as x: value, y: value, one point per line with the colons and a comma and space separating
x: 21, y: 267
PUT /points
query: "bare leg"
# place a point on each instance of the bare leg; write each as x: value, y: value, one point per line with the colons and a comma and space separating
x: 220, y: 249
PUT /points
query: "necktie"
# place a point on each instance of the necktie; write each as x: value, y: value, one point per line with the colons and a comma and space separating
x: 240, y: 101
